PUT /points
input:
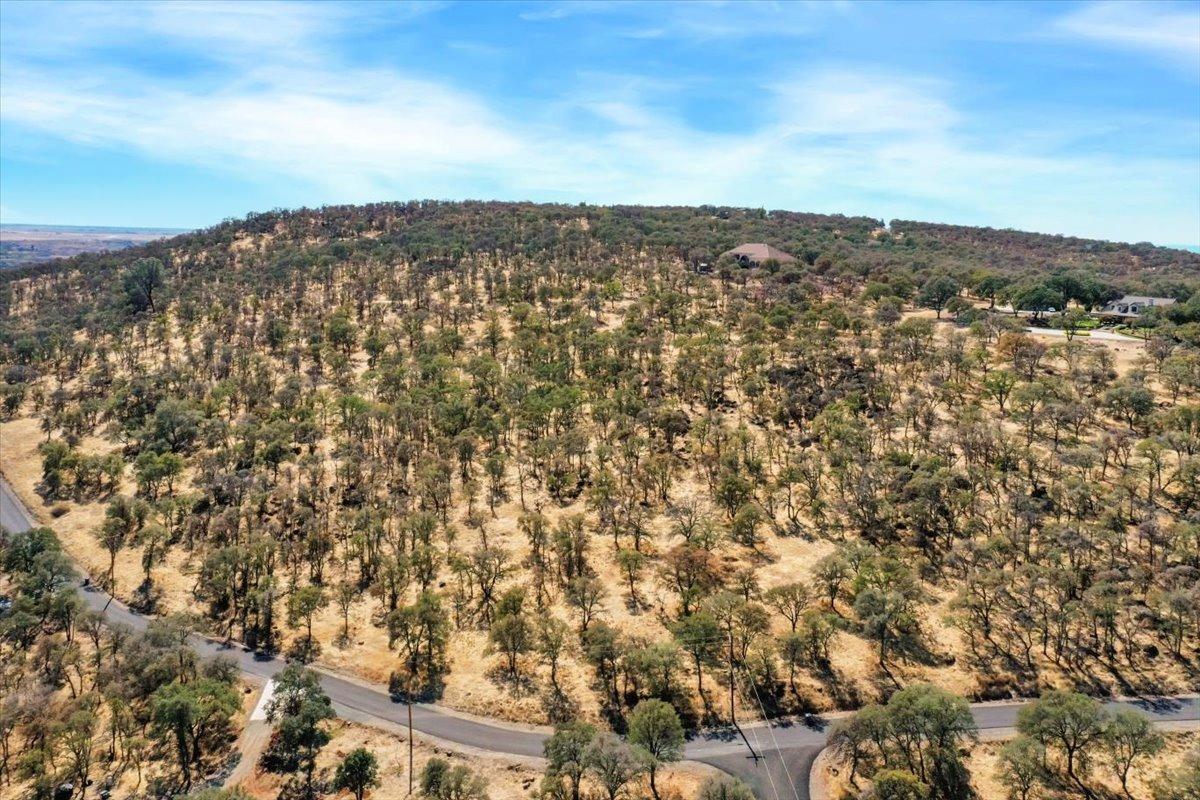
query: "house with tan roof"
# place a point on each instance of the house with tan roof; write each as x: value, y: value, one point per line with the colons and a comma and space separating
x: 1133, y: 305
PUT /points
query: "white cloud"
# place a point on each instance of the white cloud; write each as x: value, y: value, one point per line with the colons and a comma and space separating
x: 1167, y: 30
x: 824, y: 139
x: 850, y: 102
x: 352, y: 129
x: 700, y: 20
x: 220, y: 30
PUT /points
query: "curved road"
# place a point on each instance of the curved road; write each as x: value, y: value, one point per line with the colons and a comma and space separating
x: 787, y: 749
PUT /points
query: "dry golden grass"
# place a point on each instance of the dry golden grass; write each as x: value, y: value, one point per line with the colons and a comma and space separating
x: 983, y: 762
x: 507, y: 780
x: 472, y: 684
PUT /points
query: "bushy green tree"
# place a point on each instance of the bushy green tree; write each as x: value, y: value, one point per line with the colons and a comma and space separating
x: 442, y: 781
x: 299, y: 708
x: 358, y: 772
x: 566, y: 752
x: 1070, y: 723
x: 143, y: 282
x: 655, y: 729
x: 724, y: 788
x: 937, y: 291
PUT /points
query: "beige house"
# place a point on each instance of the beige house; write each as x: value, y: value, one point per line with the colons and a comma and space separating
x: 1132, y: 305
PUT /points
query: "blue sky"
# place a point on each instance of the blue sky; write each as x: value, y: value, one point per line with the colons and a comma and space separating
x: 1078, y: 118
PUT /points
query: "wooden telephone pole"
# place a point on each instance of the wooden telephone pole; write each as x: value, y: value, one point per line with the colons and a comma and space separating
x: 408, y: 697
x: 732, y: 712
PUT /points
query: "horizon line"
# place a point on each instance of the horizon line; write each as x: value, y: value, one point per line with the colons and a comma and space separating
x: 1186, y: 247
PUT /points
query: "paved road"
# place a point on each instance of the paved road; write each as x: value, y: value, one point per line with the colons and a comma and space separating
x: 788, y: 749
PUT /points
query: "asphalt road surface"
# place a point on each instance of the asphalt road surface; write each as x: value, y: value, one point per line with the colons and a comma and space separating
x: 786, y: 749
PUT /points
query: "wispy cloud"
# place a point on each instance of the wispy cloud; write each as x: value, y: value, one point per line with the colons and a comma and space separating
x: 1170, y: 31
x: 850, y: 137
x: 699, y: 20
x: 354, y: 131
x: 853, y: 101
x: 220, y: 29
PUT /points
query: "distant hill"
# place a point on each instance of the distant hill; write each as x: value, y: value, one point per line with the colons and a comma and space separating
x: 1143, y: 260
x: 30, y: 244
x: 267, y: 252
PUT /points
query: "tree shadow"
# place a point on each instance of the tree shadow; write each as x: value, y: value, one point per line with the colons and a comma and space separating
x: 304, y: 651
x: 843, y: 692
x: 917, y: 650
x: 559, y: 706
x: 518, y: 683
x: 146, y: 597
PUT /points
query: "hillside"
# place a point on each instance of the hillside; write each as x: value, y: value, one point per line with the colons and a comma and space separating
x: 831, y: 249
x: 537, y: 463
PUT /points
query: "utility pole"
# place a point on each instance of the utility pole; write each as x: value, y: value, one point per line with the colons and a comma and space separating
x: 408, y: 697
x: 732, y: 713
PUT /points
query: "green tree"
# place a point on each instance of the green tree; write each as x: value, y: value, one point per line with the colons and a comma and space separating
x: 192, y: 713
x: 887, y: 617
x: 612, y: 763
x: 78, y: 734
x: 999, y: 384
x: 1130, y: 738
x: 303, y: 604
x: 724, y: 787
x: 891, y: 784
x: 937, y: 291
x: 654, y: 727
x: 358, y: 772
x: 1129, y: 402
x: 1070, y: 722
x: 566, y: 751
x: 143, y: 280
x: 1021, y: 767
x: 1073, y: 321
x: 794, y: 651
x: 174, y: 426
x: 441, y: 781
x: 1039, y: 299
x: 123, y: 518
x: 631, y: 562
x: 513, y: 636
x: 298, y: 708
x: 553, y: 639
x: 989, y: 286
x: 421, y: 629
x: 789, y: 599
x: 928, y: 726
x: 152, y: 470
x: 700, y: 637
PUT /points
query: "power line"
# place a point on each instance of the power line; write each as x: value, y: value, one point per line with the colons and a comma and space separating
x: 775, y: 739
x: 770, y: 778
x: 732, y: 706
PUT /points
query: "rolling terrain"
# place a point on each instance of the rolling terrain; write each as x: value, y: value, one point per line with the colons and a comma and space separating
x: 550, y: 465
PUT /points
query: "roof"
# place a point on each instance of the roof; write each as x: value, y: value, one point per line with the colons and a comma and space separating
x: 758, y: 252
x: 1143, y: 300
x: 1132, y: 305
